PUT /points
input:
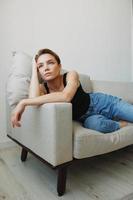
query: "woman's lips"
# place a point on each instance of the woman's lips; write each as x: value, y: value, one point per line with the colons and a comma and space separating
x: 47, y: 74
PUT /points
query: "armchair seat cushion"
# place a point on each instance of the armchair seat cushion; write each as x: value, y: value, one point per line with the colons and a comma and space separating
x: 88, y: 143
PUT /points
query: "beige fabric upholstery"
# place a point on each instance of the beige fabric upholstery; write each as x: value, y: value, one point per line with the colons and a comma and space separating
x: 121, y: 89
x: 88, y: 143
x: 17, y: 87
x: 86, y: 82
x: 47, y: 131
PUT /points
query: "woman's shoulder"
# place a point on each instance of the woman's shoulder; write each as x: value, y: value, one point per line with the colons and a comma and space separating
x: 72, y: 73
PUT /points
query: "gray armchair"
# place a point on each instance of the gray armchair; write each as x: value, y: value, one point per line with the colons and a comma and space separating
x: 49, y: 133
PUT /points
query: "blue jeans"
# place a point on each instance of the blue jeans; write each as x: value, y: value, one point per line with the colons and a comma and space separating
x: 105, y: 111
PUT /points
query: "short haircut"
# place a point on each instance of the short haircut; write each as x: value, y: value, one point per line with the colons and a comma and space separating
x: 47, y: 51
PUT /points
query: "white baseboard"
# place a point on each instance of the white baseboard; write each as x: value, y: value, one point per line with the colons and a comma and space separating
x: 7, y: 144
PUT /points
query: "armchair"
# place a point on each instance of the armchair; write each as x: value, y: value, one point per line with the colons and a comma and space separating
x: 49, y: 133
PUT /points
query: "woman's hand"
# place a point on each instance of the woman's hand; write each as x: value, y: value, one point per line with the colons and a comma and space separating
x: 35, y: 70
x: 34, y: 64
x: 17, y: 114
x: 34, y: 89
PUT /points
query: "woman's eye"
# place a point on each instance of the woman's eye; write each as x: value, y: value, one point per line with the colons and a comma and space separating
x: 51, y: 62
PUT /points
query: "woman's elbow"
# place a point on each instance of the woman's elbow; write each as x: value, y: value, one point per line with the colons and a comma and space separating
x: 33, y: 95
x: 67, y: 98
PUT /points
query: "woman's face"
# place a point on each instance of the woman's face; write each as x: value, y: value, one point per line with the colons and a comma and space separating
x: 48, y: 67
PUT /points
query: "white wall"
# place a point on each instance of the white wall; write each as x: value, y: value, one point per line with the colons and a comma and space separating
x: 132, y: 40
x: 91, y: 36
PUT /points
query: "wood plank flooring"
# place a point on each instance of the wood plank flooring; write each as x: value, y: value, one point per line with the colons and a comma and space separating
x: 108, y: 177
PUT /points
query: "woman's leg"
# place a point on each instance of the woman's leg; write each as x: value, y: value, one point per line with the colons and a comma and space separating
x: 101, y: 123
x: 103, y: 104
x: 123, y: 110
x: 111, y: 107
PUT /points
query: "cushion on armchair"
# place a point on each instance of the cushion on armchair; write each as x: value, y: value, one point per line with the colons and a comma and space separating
x: 19, y: 78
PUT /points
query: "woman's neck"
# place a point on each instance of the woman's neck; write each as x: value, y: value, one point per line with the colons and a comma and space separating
x: 55, y: 84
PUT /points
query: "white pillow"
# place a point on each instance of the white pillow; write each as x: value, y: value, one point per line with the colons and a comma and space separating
x: 19, y: 78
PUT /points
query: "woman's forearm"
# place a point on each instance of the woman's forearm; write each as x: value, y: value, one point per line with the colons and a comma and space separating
x: 47, y: 98
x: 34, y: 89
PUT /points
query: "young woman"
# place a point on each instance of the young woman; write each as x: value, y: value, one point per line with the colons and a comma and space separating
x: 98, y: 111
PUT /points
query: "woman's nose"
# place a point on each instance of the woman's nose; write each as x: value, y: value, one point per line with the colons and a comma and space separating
x: 45, y: 68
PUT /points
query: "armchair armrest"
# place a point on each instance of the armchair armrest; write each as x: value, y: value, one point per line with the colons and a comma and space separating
x: 120, y: 89
x: 47, y: 131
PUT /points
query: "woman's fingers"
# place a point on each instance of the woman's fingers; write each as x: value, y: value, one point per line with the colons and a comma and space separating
x: 34, y: 64
x: 16, y: 115
x: 18, y: 124
x: 15, y: 120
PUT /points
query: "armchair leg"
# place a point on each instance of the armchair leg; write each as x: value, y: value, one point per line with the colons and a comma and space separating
x: 24, y: 154
x: 61, y: 182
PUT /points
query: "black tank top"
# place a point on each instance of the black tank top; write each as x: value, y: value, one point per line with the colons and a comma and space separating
x: 80, y: 101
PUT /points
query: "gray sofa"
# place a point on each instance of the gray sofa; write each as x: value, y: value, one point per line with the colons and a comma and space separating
x: 49, y: 133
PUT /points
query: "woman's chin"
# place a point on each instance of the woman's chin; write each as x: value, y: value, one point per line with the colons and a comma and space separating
x: 48, y: 78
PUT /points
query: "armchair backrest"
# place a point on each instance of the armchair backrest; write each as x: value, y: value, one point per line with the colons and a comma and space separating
x: 86, y: 82
x: 117, y: 88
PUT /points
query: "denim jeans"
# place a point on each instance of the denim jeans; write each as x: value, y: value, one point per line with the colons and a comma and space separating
x: 105, y: 111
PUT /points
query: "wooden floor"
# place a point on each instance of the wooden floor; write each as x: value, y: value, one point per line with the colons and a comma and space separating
x: 108, y: 177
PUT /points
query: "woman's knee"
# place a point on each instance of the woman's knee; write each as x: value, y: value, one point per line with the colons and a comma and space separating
x: 101, y: 127
x: 95, y: 123
x: 108, y: 126
x: 101, y: 124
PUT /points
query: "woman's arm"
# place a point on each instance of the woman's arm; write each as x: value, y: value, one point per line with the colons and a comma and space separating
x: 65, y: 96
x: 34, y: 89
